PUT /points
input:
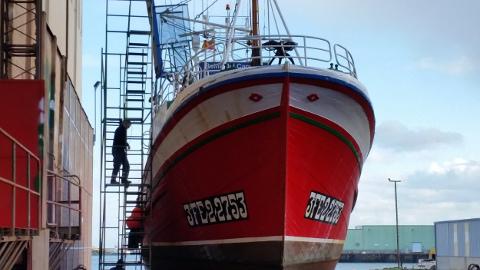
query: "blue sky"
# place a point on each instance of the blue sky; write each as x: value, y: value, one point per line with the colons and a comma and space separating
x: 420, y: 61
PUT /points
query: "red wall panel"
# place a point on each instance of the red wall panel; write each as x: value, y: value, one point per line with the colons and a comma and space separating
x: 21, y: 105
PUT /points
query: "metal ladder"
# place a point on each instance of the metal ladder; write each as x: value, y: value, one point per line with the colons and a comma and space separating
x: 126, y: 89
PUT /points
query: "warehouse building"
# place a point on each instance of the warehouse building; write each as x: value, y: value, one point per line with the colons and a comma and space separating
x: 458, y: 244
x: 378, y: 243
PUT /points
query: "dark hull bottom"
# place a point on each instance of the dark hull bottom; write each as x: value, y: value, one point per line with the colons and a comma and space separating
x: 172, y: 265
x: 251, y: 256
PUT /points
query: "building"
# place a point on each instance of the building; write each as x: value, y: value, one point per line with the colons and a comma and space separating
x: 46, y: 181
x: 457, y: 244
x: 378, y: 242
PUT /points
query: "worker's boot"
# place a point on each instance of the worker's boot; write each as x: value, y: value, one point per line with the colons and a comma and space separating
x: 113, y: 181
x: 125, y: 181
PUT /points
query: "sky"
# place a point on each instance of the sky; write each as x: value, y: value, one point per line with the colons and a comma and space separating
x: 420, y: 61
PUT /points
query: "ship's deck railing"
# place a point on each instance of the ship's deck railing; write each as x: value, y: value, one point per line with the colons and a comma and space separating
x: 300, y: 50
x: 20, y: 171
x: 64, y: 208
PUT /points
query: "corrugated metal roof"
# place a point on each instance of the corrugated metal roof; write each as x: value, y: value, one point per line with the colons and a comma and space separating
x: 458, y: 220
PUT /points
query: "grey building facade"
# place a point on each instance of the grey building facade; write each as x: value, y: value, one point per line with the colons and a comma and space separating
x: 457, y: 244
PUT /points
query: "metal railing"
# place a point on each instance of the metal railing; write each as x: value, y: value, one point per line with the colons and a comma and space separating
x: 303, y: 50
x: 299, y: 50
x: 344, y: 59
x: 64, y: 205
x: 23, y: 166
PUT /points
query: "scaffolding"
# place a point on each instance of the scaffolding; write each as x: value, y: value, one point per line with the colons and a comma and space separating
x: 20, y: 50
x: 126, y: 94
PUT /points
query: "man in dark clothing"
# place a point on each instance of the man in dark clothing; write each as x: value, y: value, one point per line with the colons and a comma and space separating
x: 119, y: 151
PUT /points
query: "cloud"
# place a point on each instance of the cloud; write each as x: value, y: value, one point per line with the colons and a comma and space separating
x: 457, y: 166
x: 439, y: 191
x: 449, y: 189
x: 441, y: 30
x: 396, y: 136
x: 458, y: 66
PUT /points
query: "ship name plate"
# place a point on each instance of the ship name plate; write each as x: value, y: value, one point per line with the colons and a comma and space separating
x: 323, y: 208
x: 217, y: 209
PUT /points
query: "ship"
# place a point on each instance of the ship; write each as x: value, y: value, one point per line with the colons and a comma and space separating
x: 258, y: 141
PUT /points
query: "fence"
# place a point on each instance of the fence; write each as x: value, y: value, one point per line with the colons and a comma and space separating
x: 64, y: 206
x: 20, y: 181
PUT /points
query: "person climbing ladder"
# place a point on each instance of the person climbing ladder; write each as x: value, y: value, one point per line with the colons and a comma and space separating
x: 119, y: 152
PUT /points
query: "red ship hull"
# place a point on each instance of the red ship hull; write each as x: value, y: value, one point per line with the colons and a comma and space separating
x: 271, y: 189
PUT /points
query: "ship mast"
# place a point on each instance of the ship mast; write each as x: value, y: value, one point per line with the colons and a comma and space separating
x: 255, y: 32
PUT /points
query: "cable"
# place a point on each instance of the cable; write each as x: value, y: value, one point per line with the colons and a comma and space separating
x: 200, y: 14
x: 275, y: 20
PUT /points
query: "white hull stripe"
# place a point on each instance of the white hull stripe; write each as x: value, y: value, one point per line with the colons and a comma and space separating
x: 232, y: 105
x: 336, y: 107
x: 313, y: 240
x: 212, y: 113
x: 251, y: 240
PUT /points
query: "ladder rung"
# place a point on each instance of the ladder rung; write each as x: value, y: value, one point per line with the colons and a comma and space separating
x: 139, y: 233
x: 136, y: 137
x: 137, y: 53
x: 130, y: 211
x: 135, y: 154
x: 111, y: 192
x: 135, y: 202
x: 135, y: 193
x: 136, y: 120
x: 137, y: 72
x: 138, y: 44
x: 133, y: 109
x: 109, y: 160
x: 138, y: 32
x: 137, y: 63
x: 134, y: 81
x: 136, y: 253
x: 115, y: 185
x: 140, y: 185
x: 111, y: 139
x: 135, y: 67
x: 125, y: 263
x: 135, y: 92
x: 112, y: 120
x: 131, y: 170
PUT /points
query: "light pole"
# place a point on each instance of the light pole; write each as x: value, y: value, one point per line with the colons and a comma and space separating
x: 396, y: 215
x: 95, y: 86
